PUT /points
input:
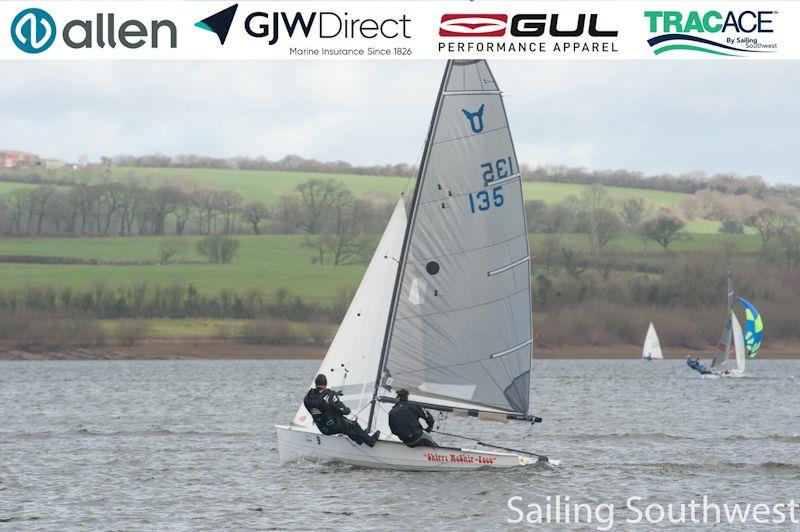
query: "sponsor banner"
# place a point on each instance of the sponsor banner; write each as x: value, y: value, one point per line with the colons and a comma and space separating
x: 322, y: 30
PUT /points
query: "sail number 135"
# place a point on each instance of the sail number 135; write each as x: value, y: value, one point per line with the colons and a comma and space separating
x: 483, y: 201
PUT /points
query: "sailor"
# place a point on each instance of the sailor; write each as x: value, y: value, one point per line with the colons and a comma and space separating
x: 404, y: 422
x: 694, y: 362
x: 328, y: 413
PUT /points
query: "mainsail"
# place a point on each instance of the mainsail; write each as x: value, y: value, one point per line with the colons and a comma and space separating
x: 724, y: 346
x: 737, y: 363
x: 652, y: 347
x: 460, y: 333
x: 754, y: 328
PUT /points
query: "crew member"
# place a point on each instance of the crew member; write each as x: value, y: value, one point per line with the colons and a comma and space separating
x: 328, y: 413
x: 404, y: 422
x: 694, y: 362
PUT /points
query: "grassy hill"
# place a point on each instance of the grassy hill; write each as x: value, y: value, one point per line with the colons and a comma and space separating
x: 265, y: 261
x: 266, y: 186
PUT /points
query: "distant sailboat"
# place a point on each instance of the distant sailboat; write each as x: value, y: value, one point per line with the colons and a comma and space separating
x: 444, y: 308
x: 730, y: 357
x: 651, y: 350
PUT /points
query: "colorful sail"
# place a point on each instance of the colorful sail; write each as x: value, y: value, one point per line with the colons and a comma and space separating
x: 753, y: 329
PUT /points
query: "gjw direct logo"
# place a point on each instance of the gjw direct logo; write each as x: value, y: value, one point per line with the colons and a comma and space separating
x: 731, y: 34
x: 33, y: 30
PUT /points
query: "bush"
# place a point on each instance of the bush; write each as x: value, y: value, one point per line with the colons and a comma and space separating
x: 219, y: 249
x: 37, y: 332
x: 731, y: 227
x: 131, y: 332
x: 271, y: 332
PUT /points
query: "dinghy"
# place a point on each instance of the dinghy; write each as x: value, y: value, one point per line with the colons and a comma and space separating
x: 444, y: 308
x: 651, y: 350
x: 729, y: 359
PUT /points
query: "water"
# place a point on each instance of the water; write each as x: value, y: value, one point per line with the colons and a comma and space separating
x: 166, y: 445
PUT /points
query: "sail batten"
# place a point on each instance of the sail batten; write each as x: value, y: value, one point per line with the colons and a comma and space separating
x: 461, y: 326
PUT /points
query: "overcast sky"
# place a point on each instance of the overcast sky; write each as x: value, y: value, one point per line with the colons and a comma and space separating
x: 653, y: 116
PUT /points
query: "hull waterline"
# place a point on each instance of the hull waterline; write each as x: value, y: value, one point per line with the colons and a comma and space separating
x: 297, y: 442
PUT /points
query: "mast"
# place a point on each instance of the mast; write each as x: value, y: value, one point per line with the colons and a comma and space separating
x: 404, y: 249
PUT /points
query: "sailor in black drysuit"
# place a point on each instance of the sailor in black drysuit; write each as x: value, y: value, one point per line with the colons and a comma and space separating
x: 694, y: 363
x: 404, y: 422
x: 328, y: 413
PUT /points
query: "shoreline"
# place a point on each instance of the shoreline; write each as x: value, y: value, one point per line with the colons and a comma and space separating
x: 232, y: 349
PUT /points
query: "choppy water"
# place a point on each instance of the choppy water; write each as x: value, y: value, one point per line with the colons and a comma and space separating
x: 190, y: 444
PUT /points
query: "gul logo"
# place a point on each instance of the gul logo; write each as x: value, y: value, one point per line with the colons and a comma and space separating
x: 733, y: 34
x: 475, y: 119
x: 219, y: 23
x: 473, y: 25
x: 522, y: 25
x: 33, y: 30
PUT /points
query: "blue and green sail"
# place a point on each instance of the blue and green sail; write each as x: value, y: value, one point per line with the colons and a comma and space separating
x: 754, y: 328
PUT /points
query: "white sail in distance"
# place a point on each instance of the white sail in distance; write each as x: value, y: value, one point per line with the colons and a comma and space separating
x: 720, y: 362
x: 460, y: 332
x: 652, y: 347
x: 738, y: 362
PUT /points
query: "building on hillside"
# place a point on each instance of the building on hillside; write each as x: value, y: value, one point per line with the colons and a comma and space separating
x: 16, y: 159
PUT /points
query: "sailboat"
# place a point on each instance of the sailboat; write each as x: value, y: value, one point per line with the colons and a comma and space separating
x: 444, y: 308
x: 651, y: 350
x: 729, y: 359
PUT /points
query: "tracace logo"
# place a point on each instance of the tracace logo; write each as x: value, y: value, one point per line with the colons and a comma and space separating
x: 522, y: 25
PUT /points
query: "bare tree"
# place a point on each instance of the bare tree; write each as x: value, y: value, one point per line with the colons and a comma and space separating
x: 317, y: 198
x: 169, y: 247
x: 633, y: 210
x: 664, y: 229
x: 767, y: 222
x: 254, y: 213
x: 288, y: 213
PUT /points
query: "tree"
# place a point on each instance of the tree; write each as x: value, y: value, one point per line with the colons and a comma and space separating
x: 288, y: 213
x: 632, y: 212
x: 254, y: 213
x: 731, y: 227
x: 767, y: 222
x: 317, y: 198
x: 664, y: 229
x: 169, y: 247
x: 219, y: 249
x: 536, y: 216
x: 597, y: 220
x: 343, y: 236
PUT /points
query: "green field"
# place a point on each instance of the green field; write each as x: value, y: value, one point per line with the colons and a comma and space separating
x: 266, y: 186
x: 266, y: 261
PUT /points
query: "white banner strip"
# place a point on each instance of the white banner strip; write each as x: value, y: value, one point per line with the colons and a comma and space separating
x: 319, y: 30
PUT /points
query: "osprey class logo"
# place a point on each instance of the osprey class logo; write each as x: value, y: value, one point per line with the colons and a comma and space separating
x: 33, y: 30
x: 453, y: 25
x: 475, y: 119
x: 219, y: 23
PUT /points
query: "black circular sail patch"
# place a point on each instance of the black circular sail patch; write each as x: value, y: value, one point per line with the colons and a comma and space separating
x: 432, y: 267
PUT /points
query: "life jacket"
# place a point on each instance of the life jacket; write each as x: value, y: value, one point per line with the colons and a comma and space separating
x: 320, y: 405
x: 404, y: 421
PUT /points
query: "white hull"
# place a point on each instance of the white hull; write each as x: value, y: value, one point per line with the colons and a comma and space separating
x: 734, y: 374
x: 295, y: 442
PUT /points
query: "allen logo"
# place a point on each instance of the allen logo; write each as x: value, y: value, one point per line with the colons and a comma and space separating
x: 219, y: 23
x: 475, y: 119
x: 467, y: 25
x: 33, y: 30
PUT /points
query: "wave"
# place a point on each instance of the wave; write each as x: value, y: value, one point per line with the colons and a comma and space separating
x: 693, y: 38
